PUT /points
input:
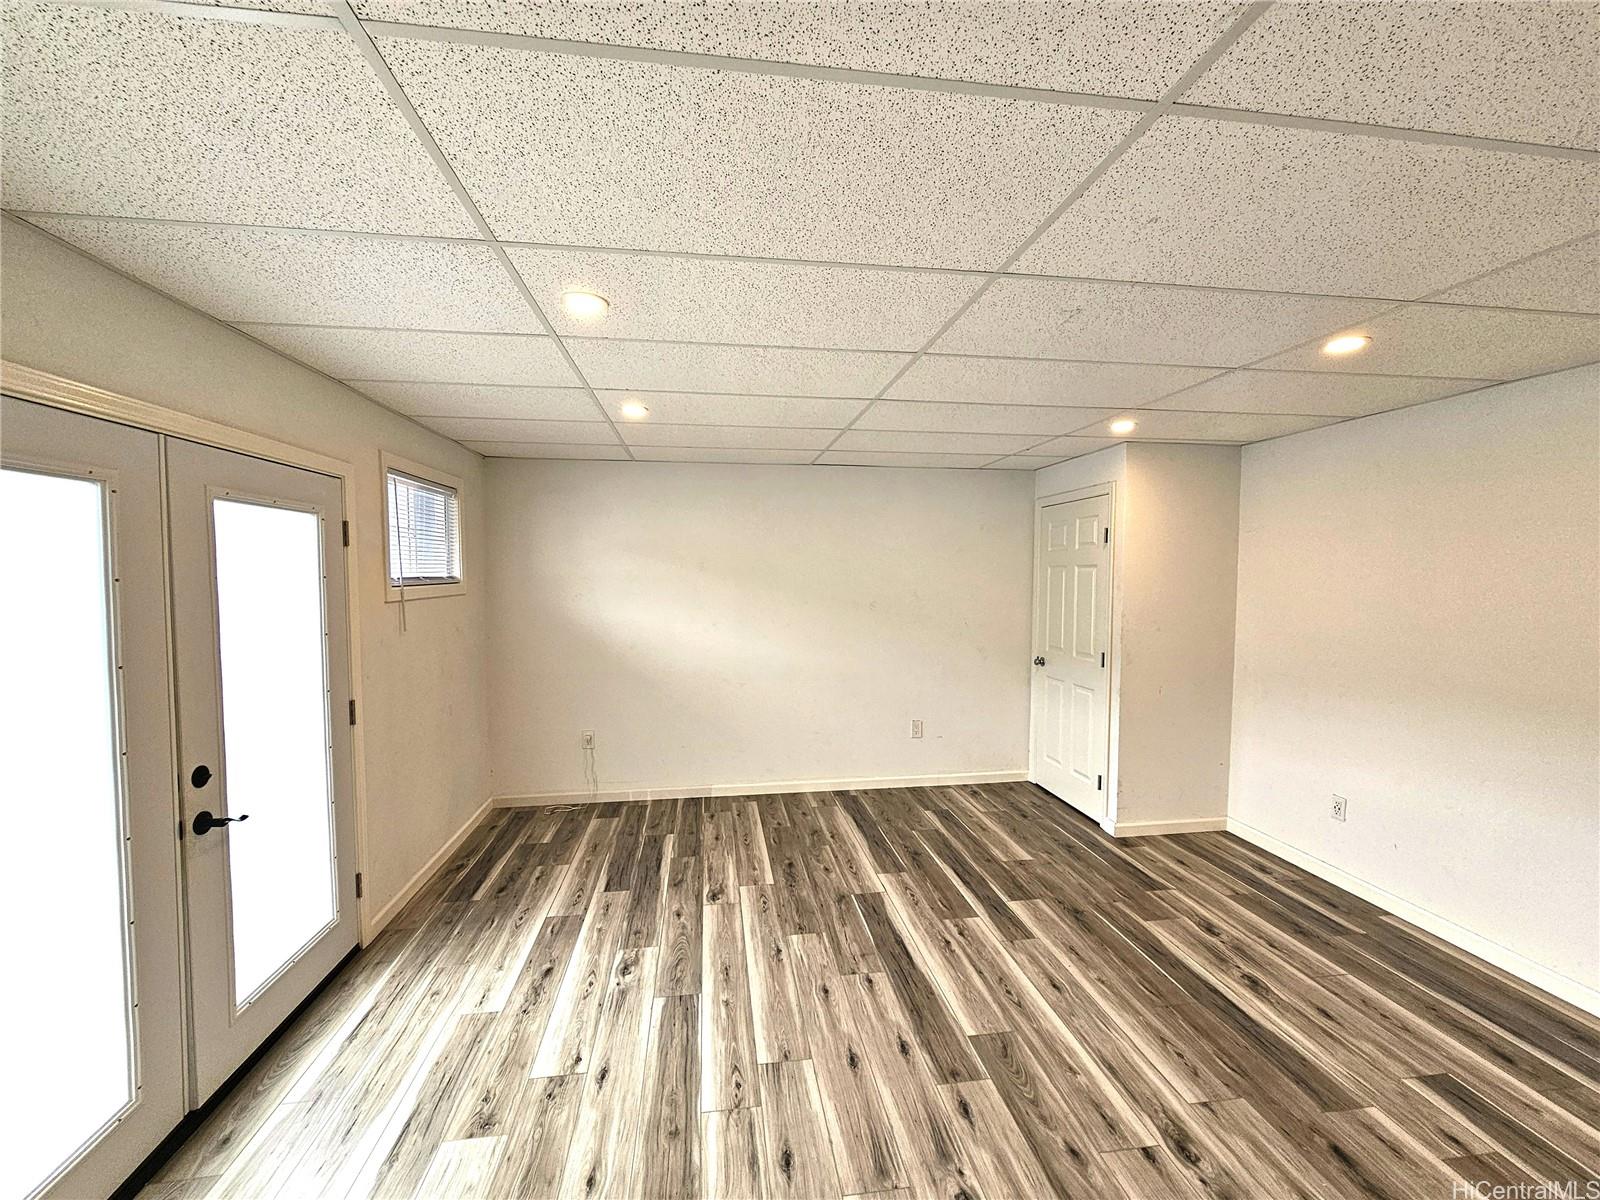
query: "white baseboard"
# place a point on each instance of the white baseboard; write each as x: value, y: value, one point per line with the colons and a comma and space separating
x: 1145, y: 828
x: 388, y: 912
x: 1571, y: 990
x: 756, y: 789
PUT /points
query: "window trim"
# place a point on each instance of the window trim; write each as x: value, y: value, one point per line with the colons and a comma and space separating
x: 393, y: 592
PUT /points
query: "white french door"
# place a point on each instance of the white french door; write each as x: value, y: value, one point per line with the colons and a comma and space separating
x: 1072, y: 642
x: 93, y: 1030
x: 173, y: 889
x: 264, y: 765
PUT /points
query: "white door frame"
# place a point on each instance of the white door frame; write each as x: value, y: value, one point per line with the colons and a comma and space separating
x: 1109, y: 489
x: 27, y: 383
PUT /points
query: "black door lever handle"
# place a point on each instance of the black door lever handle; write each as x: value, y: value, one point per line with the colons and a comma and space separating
x: 204, y: 822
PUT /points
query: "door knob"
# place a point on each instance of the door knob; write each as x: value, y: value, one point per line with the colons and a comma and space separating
x: 1038, y: 660
x: 204, y: 822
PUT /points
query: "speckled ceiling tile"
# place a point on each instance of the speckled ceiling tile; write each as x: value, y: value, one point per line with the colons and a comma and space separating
x: 878, y: 458
x: 118, y: 113
x: 1039, y: 381
x: 311, y: 279
x: 481, y: 400
x: 545, y: 450
x: 917, y: 417
x: 723, y: 454
x: 710, y: 300
x: 910, y: 442
x: 1313, y: 393
x: 1132, y: 48
x: 748, y: 370
x: 1167, y: 426
x: 592, y: 152
x: 1564, y: 280
x: 1522, y: 71
x: 1254, y: 206
x: 486, y: 429
x: 649, y: 433
x: 392, y: 354
x: 694, y: 408
x: 1125, y: 322
x: 1443, y: 340
x: 311, y: 7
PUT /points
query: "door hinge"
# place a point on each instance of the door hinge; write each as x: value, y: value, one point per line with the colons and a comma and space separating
x: 359, y: 891
x: 1099, y: 783
x: 352, y: 710
x: 1102, y: 660
x: 345, y: 525
x: 1106, y: 539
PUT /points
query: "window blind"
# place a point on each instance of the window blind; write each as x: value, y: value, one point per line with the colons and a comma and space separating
x: 424, y: 532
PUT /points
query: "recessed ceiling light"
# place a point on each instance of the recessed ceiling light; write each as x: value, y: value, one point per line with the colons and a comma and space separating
x: 586, y: 306
x: 1124, y: 425
x: 1347, y: 343
x: 634, y: 411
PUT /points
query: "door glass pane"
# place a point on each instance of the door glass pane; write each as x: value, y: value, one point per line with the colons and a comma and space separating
x: 274, y: 735
x: 68, y: 1039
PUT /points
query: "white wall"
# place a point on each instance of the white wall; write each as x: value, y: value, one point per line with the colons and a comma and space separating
x: 425, y: 725
x: 1419, y: 631
x: 1175, y: 544
x: 1179, y: 552
x: 752, y: 625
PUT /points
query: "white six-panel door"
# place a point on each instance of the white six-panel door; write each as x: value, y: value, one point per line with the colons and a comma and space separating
x: 1072, y: 643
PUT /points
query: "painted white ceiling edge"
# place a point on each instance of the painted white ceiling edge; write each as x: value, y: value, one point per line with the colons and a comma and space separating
x: 1165, y: 104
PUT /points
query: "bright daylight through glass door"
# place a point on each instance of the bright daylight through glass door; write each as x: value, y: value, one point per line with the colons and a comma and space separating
x: 275, y: 735
x: 66, y: 869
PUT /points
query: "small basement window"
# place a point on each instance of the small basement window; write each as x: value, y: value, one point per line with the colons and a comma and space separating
x: 423, y: 513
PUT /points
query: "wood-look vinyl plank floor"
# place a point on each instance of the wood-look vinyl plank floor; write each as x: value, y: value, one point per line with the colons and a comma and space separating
x: 952, y: 993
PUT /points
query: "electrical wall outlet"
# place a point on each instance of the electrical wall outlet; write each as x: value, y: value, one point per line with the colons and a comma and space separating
x: 1339, y: 803
x: 586, y: 739
x: 916, y: 729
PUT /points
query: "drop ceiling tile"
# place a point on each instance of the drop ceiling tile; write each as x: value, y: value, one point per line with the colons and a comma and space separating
x: 486, y: 429
x: 1023, y: 462
x: 1444, y: 340
x: 691, y: 408
x: 1167, y: 426
x: 1523, y: 72
x: 481, y: 400
x: 715, y: 454
x: 1040, y: 381
x: 771, y: 370
x: 647, y: 433
x: 1314, y: 393
x: 922, y: 417
x: 605, y: 152
x: 545, y: 450
x: 1299, y: 210
x: 1137, y: 48
x: 309, y: 7
x: 714, y: 300
x: 309, y: 278
x: 394, y: 354
x: 1141, y: 323
x: 935, y: 443
x: 125, y: 113
x: 1566, y: 279
x: 864, y: 458
x: 1062, y: 448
